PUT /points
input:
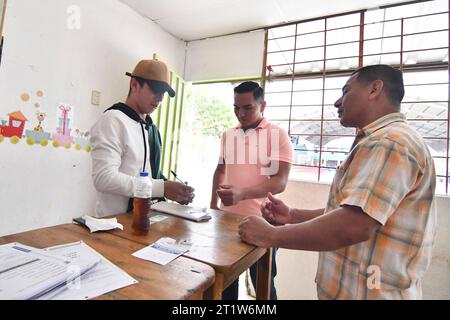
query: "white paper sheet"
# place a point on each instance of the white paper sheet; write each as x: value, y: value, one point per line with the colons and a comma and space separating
x: 104, y: 278
x: 27, y: 272
x: 161, y: 252
x: 158, y: 218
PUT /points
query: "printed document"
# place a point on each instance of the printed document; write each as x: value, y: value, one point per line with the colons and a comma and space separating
x: 104, y: 278
x: 27, y: 272
x: 161, y: 252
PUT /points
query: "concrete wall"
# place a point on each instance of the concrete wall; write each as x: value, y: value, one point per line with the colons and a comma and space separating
x: 297, y: 269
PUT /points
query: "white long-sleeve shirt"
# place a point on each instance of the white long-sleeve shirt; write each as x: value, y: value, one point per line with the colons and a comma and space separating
x: 117, y: 158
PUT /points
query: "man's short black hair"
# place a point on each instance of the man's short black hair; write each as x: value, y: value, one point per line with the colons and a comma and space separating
x: 141, y: 84
x: 250, y: 86
x: 391, y: 77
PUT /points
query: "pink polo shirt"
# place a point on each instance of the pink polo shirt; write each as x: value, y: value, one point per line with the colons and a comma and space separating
x: 251, y: 157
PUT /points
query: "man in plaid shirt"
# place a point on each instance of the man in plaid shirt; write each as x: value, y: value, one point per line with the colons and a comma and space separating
x: 375, y: 235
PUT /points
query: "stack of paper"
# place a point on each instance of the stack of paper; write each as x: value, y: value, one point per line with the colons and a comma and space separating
x: 72, y: 271
x: 187, y: 212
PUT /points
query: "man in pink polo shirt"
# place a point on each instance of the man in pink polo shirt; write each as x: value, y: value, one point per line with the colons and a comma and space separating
x: 255, y: 159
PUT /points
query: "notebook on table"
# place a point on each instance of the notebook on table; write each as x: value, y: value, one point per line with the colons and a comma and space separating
x: 187, y: 212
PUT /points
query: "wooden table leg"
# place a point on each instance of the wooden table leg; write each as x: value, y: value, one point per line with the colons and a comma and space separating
x: 263, y: 276
x: 215, y: 291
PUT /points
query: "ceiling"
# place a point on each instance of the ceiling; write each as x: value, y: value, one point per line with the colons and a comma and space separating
x: 193, y: 20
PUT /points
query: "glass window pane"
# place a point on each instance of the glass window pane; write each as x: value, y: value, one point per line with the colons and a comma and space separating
x: 439, y: 76
x: 279, y: 85
x: 436, y: 110
x: 382, y: 45
x: 344, y: 21
x: 311, y: 40
x: 343, y: 35
x: 281, y: 44
x: 311, y: 26
x: 335, y: 128
x: 278, y: 99
x: 428, y: 23
x: 373, y: 16
x: 311, y: 54
x: 282, y: 31
x: 280, y: 58
x: 307, y: 98
x: 425, y: 41
x: 284, y: 124
x: 336, y: 82
x: 308, y: 84
x: 308, y: 67
x: 306, y: 127
x: 332, y: 95
x: 277, y: 113
x: 436, y: 92
x: 434, y: 129
x: 382, y: 29
x: 306, y: 112
x: 391, y: 59
x: 343, y: 50
x: 280, y: 70
x: 342, y: 64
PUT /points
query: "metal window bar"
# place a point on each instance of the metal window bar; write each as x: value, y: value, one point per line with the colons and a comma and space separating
x: 327, y: 73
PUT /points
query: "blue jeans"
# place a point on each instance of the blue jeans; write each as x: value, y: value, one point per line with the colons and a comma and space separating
x: 232, y: 292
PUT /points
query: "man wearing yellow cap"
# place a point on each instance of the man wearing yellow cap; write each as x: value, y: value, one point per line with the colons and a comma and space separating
x: 120, y: 144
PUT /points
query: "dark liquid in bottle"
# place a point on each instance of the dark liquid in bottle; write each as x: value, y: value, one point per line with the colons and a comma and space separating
x: 140, y: 224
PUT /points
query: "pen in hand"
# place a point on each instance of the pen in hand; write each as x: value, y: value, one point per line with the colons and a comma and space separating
x: 176, y: 177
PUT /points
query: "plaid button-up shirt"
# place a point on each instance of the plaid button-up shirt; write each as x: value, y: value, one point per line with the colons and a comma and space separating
x: 390, y: 175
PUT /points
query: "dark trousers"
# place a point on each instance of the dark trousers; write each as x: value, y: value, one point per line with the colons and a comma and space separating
x: 232, y: 292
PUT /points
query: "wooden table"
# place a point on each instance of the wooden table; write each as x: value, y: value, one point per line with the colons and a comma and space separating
x: 182, y: 278
x: 215, y: 242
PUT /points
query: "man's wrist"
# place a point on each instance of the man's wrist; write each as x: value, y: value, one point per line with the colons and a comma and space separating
x: 290, y: 215
x: 273, y: 236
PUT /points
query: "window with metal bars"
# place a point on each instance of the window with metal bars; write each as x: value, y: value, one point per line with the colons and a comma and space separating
x: 308, y: 62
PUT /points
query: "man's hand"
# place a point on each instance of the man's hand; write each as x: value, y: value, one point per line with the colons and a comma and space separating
x: 257, y: 231
x: 229, y: 195
x: 275, y: 211
x: 179, y: 192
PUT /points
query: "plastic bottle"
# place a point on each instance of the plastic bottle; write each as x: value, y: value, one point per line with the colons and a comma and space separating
x: 141, y: 204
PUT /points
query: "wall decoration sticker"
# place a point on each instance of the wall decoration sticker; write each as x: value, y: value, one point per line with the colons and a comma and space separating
x: 13, y: 126
x: 38, y: 135
x: 62, y: 134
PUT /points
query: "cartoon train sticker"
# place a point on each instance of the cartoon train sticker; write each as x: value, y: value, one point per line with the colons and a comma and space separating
x: 14, y: 129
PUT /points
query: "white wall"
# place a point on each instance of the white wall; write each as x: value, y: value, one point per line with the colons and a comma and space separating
x: 226, y: 57
x: 297, y: 269
x: 42, y: 186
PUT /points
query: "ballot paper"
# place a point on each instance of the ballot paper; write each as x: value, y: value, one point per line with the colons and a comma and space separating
x: 28, y: 273
x: 104, y: 278
x: 162, y: 251
x: 157, y: 218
